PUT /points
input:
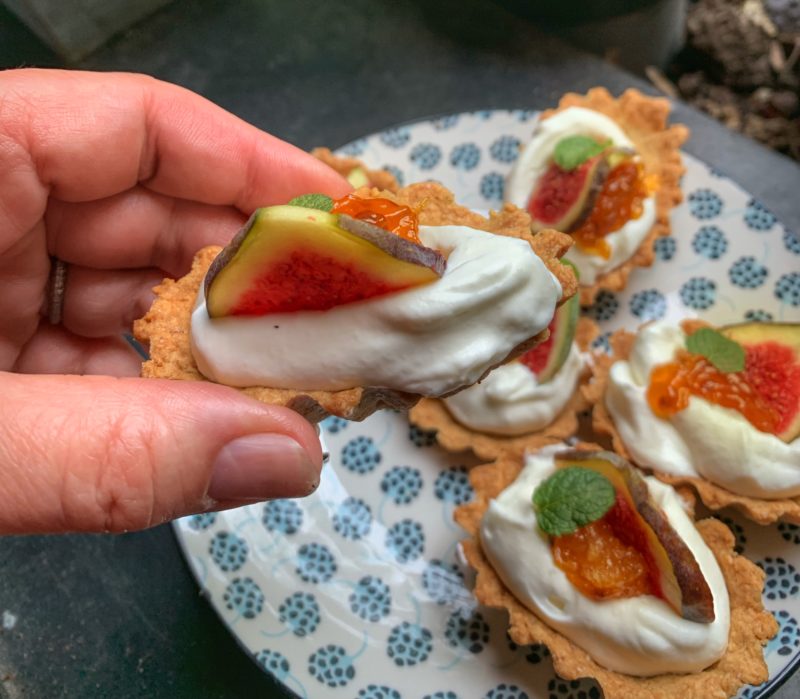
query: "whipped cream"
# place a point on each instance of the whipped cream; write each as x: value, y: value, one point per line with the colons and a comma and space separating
x: 533, y: 162
x: 640, y: 636
x: 704, y: 439
x: 432, y: 339
x: 510, y: 401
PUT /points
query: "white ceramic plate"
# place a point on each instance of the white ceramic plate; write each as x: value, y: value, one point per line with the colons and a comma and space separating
x: 358, y: 591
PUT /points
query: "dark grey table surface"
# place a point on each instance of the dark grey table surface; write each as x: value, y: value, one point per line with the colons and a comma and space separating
x: 120, y: 616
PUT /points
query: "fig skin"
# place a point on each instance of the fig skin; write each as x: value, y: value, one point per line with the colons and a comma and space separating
x: 785, y: 334
x: 696, y: 600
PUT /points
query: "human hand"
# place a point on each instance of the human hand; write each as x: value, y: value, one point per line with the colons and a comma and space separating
x: 124, y: 178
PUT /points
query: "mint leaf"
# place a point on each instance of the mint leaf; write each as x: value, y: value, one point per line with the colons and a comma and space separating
x: 572, y: 151
x: 572, y: 498
x: 313, y: 201
x: 725, y: 354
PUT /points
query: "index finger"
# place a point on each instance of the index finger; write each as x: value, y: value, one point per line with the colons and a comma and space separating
x: 93, y: 135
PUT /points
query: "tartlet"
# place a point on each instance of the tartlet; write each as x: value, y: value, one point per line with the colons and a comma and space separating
x: 356, y: 171
x: 750, y: 625
x: 166, y: 326
x: 643, y: 121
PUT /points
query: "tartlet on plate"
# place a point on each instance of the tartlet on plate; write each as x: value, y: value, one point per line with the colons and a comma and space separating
x: 584, y: 151
x: 166, y: 326
x: 750, y: 626
x: 453, y: 435
x: 738, y: 464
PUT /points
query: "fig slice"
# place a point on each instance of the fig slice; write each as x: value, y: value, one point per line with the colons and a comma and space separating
x: 291, y: 258
x: 772, y: 368
x: 674, y: 571
x: 546, y: 359
x: 358, y: 177
x: 564, y: 199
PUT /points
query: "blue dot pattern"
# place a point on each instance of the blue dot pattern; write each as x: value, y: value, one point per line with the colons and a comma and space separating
x: 648, y: 305
x: 709, y: 242
x: 738, y: 533
x: 782, y: 579
x: 441, y: 695
x: 409, y: 644
x: 602, y: 342
x: 492, y: 186
x: 315, y: 563
x: 244, y: 596
x: 371, y: 599
x: 425, y: 155
x: 228, y: 551
x: 333, y: 424
x: 758, y: 315
x: 374, y: 691
x: 452, y: 485
x: 787, y: 640
x: 355, y: 148
x: 505, y: 149
x: 446, y: 122
x: 506, y: 691
x: 443, y: 582
x: 787, y: 288
x: 284, y: 516
x: 704, y: 204
x: 758, y: 217
x: 665, y: 249
x: 330, y: 665
x: 604, y: 307
x: 574, y: 689
x: 789, y: 532
x: 467, y: 631
x: 699, y: 293
x: 300, y: 612
x: 353, y: 519
x: 791, y: 241
x: 406, y: 540
x: 465, y: 156
x: 402, y: 484
x: 202, y: 522
x: 360, y: 455
x: 397, y: 173
x: 420, y: 437
x: 396, y: 138
x: 747, y: 273
x: 274, y: 663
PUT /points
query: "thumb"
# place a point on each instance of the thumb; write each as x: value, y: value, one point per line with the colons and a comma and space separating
x: 97, y: 453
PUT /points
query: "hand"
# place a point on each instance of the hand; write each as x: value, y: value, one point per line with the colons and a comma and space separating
x: 124, y: 178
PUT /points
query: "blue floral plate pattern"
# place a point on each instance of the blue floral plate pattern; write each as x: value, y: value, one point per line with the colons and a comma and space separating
x: 359, y: 591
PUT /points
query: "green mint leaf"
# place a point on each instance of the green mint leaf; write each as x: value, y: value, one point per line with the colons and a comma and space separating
x: 313, y: 201
x: 572, y: 151
x: 572, y: 498
x: 725, y: 354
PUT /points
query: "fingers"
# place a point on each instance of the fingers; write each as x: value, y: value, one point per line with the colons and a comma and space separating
x: 93, y: 135
x: 138, y: 228
x: 103, y: 454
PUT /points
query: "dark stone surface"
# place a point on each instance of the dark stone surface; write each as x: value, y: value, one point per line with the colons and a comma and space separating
x: 103, y: 616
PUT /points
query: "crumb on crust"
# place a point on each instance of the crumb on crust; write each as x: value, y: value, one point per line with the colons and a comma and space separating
x: 751, y: 626
x: 713, y: 496
x: 166, y: 326
x: 644, y: 121
x: 432, y: 414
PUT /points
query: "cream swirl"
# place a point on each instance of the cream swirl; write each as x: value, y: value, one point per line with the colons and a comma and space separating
x: 432, y: 339
x: 510, y: 401
x: 704, y: 439
x: 533, y: 162
x: 640, y: 636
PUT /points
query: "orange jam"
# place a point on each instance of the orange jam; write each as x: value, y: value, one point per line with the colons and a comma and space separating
x: 671, y: 385
x: 396, y: 218
x: 608, y: 559
x: 620, y: 200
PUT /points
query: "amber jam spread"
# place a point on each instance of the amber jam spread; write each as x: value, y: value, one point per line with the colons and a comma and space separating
x: 396, y: 218
x: 689, y: 374
x: 609, y: 558
x: 620, y: 200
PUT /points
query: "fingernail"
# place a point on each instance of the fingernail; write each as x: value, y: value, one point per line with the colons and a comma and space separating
x: 261, y: 467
